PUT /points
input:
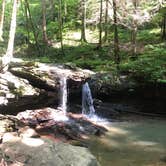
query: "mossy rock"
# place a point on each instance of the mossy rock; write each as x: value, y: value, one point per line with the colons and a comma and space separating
x: 110, y: 84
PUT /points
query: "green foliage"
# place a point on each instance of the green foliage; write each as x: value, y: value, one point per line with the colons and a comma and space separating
x: 124, y: 35
x: 149, y: 35
x: 150, y: 66
x: 52, y: 29
x: 162, y: 11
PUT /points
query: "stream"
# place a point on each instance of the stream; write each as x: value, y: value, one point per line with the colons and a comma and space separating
x: 141, y: 143
x: 133, y: 139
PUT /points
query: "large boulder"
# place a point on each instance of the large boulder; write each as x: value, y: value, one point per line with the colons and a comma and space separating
x: 38, y: 152
x: 17, y: 94
x: 115, y: 85
x: 29, y: 85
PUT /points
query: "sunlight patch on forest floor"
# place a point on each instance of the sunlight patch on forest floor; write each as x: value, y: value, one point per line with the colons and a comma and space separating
x: 72, y: 38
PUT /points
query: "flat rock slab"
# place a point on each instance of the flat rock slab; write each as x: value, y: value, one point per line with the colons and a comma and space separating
x: 43, y: 152
x: 69, y: 126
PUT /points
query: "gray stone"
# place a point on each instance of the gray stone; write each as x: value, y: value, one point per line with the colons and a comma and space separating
x: 38, y: 152
x: 10, y: 137
x: 27, y: 132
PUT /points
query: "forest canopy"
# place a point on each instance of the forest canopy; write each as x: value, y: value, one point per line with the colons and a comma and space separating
x: 126, y: 36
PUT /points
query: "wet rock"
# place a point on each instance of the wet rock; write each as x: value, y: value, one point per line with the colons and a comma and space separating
x: 70, y: 126
x: 45, y: 152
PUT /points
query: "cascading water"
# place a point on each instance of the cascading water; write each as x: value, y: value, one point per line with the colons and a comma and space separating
x: 63, y: 93
x: 61, y: 116
x: 88, y: 107
x: 87, y: 101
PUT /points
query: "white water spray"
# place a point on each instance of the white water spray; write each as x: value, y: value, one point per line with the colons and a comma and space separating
x: 63, y: 93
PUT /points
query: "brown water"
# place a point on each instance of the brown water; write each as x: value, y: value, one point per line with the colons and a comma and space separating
x: 140, y: 143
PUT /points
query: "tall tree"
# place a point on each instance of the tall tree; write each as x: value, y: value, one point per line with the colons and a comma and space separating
x: 100, y: 24
x: 44, y: 26
x: 61, y: 26
x: 116, y: 37
x: 6, y: 59
x: 83, y: 20
x: 134, y: 29
x: 65, y: 8
x: 160, y: 2
x: 32, y: 25
x: 2, y: 19
x: 106, y: 22
x: 52, y: 3
x: 162, y: 12
x: 163, y: 26
x: 27, y: 26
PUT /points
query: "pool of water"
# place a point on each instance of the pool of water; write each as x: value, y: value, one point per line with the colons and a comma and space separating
x: 141, y: 143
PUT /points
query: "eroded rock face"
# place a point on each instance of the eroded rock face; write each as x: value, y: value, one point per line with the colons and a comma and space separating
x: 30, y: 85
x: 14, y: 87
x: 38, y: 152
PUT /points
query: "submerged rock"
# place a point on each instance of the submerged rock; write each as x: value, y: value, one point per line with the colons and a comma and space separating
x: 38, y: 152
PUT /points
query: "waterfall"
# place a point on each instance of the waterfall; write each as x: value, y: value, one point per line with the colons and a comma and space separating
x: 63, y: 94
x: 87, y: 101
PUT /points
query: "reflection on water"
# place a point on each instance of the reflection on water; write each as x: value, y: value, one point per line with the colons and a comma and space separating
x: 132, y: 144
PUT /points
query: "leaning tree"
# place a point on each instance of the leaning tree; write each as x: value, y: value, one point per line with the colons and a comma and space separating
x: 6, y: 59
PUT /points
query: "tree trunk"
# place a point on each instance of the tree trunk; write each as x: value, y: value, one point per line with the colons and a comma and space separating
x: 160, y: 2
x: 106, y: 22
x: 9, y: 53
x: 83, y: 27
x: 53, y: 15
x: 27, y: 23
x: 164, y: 28
x: 44, y: 26
x: 100, y: 24
x: 116, y: 37
x: 133, y: 40
x: 2, y: 19
x: 134, y: 31
x: 65, y: 8
x: 60, y: 26
x: 32, y: 25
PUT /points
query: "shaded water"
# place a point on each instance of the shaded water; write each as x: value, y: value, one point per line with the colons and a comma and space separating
x: 132, y: 144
